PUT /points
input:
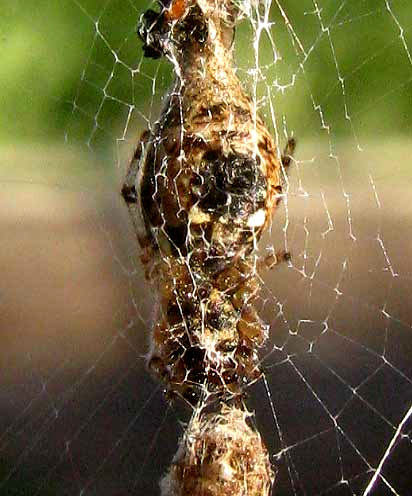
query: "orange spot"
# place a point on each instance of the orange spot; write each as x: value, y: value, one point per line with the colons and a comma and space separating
x: 176, y: 10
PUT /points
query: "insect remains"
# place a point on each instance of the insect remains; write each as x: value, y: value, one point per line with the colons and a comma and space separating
x: 201, y: 190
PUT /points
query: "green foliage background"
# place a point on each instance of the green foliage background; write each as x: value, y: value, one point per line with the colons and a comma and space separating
x: 51, y: 57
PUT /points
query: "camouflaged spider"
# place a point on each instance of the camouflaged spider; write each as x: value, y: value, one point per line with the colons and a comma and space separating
x: 201, y: 189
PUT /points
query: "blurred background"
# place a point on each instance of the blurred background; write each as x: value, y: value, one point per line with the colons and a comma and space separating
x: 79, y: 414
x: 83, y: 58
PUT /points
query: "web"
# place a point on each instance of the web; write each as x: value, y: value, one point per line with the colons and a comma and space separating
x: 81, y: 415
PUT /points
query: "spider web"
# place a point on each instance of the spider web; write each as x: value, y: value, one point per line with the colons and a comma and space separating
x: 80, y: 414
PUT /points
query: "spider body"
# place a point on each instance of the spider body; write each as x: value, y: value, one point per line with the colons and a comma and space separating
x: 209, y: 179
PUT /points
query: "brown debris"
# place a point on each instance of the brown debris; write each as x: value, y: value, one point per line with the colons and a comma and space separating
x: 220, y: 455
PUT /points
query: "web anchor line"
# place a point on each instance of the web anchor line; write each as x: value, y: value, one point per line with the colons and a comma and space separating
x: 201, y: 189
x: 378, y: 471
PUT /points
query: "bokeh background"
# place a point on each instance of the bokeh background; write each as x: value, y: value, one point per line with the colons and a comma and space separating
x: 78, y: 412
x: 51, y: 52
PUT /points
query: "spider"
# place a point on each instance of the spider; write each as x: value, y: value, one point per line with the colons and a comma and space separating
x: 201, y: 188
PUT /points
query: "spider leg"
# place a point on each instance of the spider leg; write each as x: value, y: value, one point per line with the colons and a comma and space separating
x: 286, y: 159
x: 272, y: 259
x: 129, y: 191
x: 288, y: 151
